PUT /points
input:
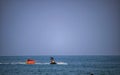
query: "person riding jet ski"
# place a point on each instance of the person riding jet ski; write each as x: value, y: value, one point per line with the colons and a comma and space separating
x: 52, y: 61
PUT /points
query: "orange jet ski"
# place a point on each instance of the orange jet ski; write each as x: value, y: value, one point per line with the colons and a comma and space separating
x: 30, y: 61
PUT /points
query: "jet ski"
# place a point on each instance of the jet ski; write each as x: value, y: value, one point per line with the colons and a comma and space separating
x: 52, y: 61
x: 30, y: 61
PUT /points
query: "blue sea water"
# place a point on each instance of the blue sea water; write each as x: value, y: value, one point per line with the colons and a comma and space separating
x: 66, y: 65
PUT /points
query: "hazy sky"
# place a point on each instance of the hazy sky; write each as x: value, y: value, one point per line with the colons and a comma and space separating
x: 59, y: 27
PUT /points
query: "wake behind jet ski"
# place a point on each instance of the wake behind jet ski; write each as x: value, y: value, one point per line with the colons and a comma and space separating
x: 52, y: 61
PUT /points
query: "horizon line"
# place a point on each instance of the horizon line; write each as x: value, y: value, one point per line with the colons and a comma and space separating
x: 68, y: 55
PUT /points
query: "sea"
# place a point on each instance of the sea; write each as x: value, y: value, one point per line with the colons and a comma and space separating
x: 66, y: 65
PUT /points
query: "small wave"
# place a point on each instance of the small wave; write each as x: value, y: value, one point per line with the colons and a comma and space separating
x: 42, y: 63
x: 62, y: 63
x: 18, y: 63
x: 14, y: 63
x: 4, y: 63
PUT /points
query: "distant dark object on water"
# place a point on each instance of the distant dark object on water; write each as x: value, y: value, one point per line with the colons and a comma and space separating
x: 91, y: 74
x: 52, y: 61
